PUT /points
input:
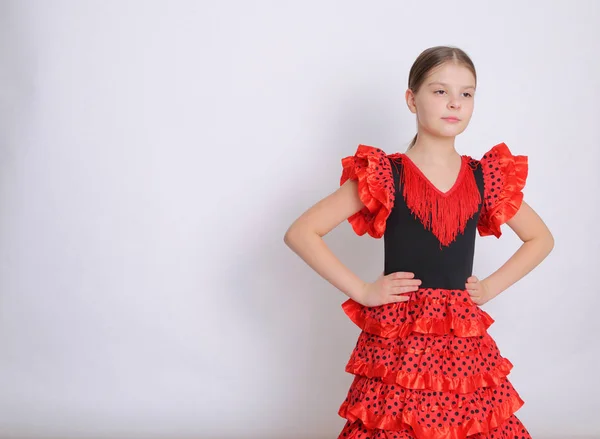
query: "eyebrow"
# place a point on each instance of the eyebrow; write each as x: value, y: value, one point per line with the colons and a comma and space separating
x: 445, y: 85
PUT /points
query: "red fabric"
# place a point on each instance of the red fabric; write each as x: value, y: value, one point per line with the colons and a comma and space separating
x: 512, y: 428
x: 442, y: 363
x: 371, y: 169
x: 504, y: 179
x: 445, y: 214
x: 428, y: 369
x: 430, y: 311
x: 430, y: 416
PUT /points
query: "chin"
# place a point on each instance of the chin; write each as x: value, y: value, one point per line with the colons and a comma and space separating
x: 451, y: 131
x: 445, y: 130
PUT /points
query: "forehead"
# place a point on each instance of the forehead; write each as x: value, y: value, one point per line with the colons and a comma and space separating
x: 451, y: 74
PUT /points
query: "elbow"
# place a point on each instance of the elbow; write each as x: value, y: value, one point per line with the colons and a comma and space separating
x: 550, y: 242
x: 287, y: 237
x: 545, y: 243
x: 291, y: 236
x: 297, y: 234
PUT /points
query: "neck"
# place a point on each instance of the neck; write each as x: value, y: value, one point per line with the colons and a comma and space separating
x: 432, y: 148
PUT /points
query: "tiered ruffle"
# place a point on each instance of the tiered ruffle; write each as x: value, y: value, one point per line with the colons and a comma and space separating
x: 436, y: 312
x: 504, y: 176
x: 371, y: 169
x: 428, y: 369
x: 511, y: 429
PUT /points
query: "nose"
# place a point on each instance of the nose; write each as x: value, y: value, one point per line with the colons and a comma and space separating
x: 454, y: 104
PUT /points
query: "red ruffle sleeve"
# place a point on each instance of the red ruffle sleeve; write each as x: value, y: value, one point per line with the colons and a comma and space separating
x: 504, y: 177
x: 371, y: 168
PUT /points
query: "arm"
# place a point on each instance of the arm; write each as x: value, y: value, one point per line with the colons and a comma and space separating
x: 305, y: 234
x: 305, y: 238
x: 538, y: 242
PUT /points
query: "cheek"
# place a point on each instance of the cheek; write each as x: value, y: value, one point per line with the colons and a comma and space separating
x: 430, y: 109
x: 468, y: 111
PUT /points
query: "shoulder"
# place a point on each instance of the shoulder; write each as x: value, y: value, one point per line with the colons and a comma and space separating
x: 501, y: 153
x: 371, y: 168
x: 372, y: 152
x: 504, y: 176
x: 499, y: 159
x: 500, y: 164
x: 370, y: 160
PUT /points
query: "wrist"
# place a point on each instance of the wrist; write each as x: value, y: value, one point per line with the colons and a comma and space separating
x: 357, y: 291
x: 491, y: 290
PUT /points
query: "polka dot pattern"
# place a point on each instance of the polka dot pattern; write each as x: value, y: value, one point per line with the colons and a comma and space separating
x: 423, y: 361
x: 427, y: 368
x: 504, y: 176
x: 511, y: 429
x: 430, y: 414
x: 371, y: 168
x: 429, y: 311
x: 493, y: 177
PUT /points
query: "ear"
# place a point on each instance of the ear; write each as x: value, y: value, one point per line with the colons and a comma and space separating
x: 410, y: 101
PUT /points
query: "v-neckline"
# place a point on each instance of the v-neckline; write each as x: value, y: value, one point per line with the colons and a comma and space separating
x: 457, y: 182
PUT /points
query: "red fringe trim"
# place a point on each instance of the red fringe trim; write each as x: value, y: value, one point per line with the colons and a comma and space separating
x: 385, y: 422
x: 429, y: 381
x: 424, y: 325
x: 445, y: 214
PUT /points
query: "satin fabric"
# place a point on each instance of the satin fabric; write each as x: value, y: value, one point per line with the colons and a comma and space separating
x: 427, y: 368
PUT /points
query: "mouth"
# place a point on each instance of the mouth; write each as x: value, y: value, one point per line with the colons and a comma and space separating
x: 451, y: 119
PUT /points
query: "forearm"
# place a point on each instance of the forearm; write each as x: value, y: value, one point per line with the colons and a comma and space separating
x: 526, y: 258
x: 312, y: 249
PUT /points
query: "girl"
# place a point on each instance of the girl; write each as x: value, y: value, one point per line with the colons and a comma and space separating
x: 424, y: 365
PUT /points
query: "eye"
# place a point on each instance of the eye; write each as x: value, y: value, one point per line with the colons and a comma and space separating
x: 439, y: 91
x: 468, y: 95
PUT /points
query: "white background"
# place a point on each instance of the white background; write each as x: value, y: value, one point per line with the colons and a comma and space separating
x: 152, y: 155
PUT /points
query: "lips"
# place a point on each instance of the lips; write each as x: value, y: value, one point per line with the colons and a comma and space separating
x: 451, y: 119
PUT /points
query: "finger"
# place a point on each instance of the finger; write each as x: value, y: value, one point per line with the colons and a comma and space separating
x: 472, y: 285
x: 398, y: 298
x: 403, y: 289
x: 472, y: 279
x: 402, y: 275
x: 405, y: 282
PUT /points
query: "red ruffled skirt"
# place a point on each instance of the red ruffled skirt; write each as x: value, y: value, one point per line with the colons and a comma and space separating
x: 428, y: 369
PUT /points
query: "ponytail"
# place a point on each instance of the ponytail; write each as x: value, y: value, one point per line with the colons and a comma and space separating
x: 412, y: 143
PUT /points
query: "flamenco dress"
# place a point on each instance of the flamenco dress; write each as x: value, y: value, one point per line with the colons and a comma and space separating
x: 427, y: 368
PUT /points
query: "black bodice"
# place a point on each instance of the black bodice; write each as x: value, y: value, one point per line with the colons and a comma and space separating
x: 409, y: 246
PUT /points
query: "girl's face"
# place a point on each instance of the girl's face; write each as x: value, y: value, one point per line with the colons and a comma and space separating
x: 445, y: 101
